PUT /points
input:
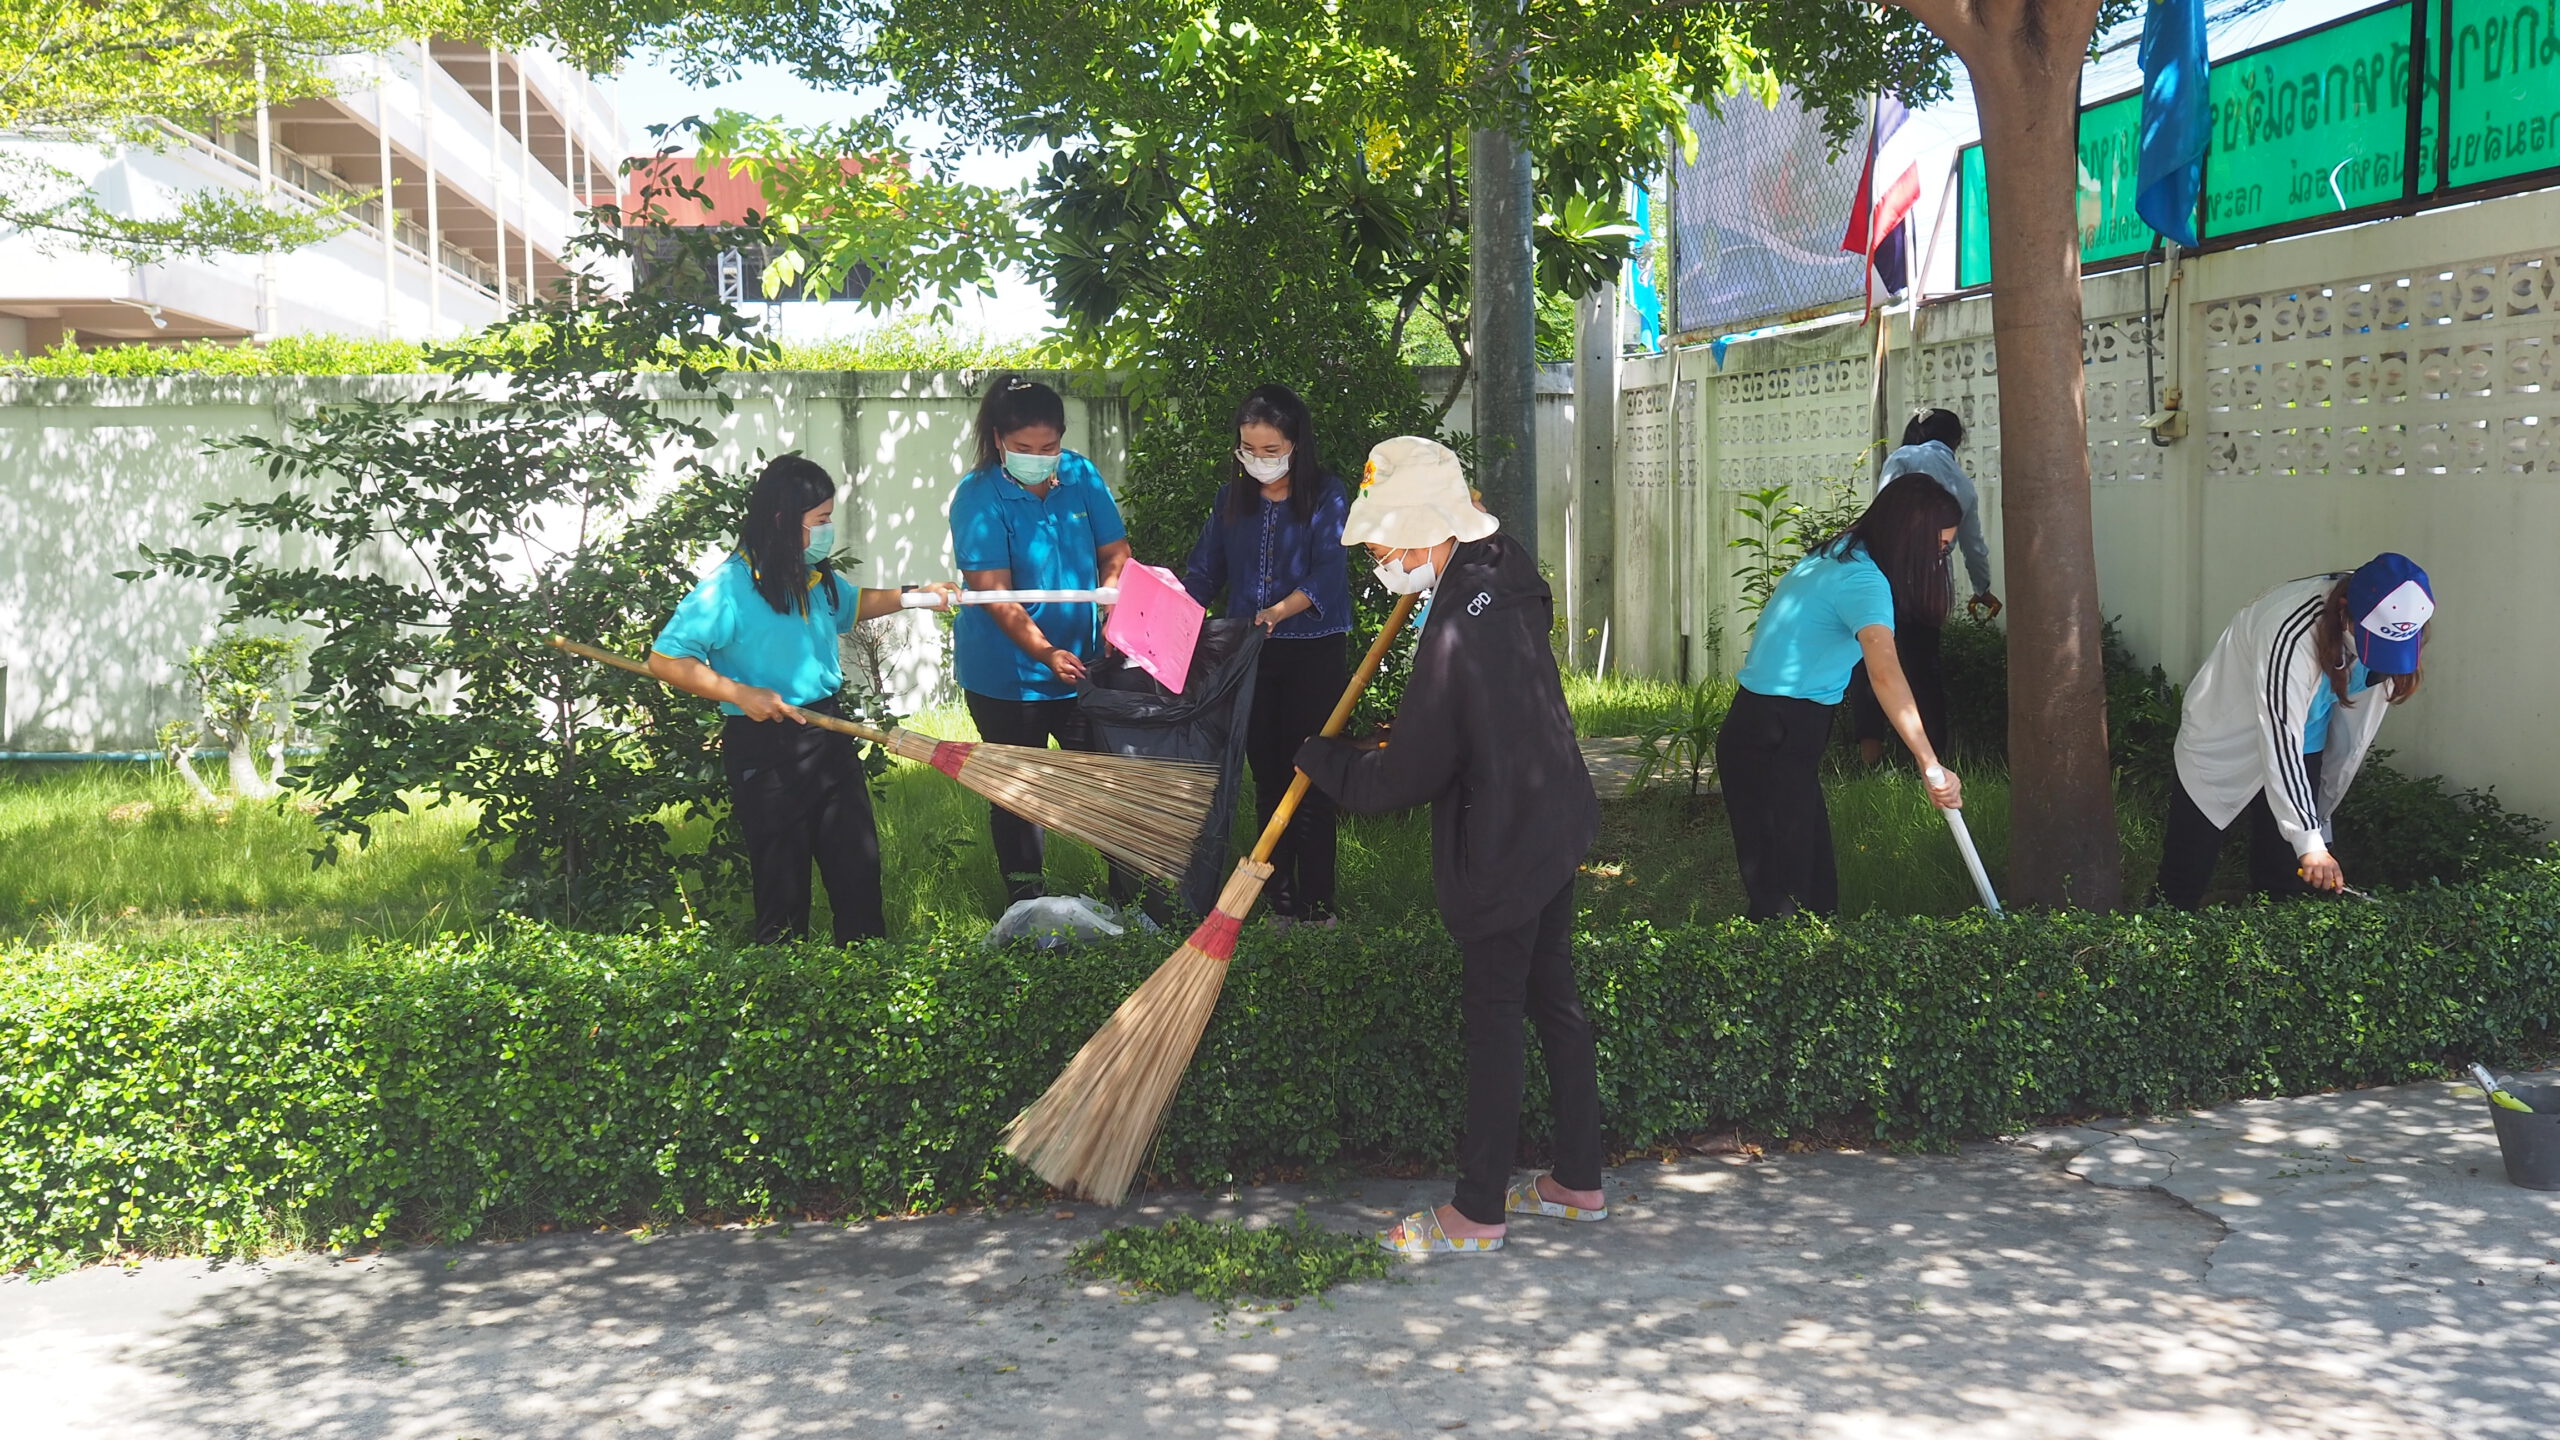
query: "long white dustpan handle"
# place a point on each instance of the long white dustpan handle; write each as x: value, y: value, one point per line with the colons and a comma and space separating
x: 1964, y: 843
x: 935, y: 600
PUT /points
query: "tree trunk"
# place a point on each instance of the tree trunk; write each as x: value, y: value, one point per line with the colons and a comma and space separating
x: 1502, y: 327
x: 186, y: 768
x: 1591, y: 517
x: 2024, y: 57
x: 240, y: 753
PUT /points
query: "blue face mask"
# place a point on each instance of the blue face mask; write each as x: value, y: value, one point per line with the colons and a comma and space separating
x: 1030, y: 470
x: 822, y: 542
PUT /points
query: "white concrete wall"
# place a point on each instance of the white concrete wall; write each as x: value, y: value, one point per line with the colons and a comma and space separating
x: 2395, y: 386
x: 91, y: 469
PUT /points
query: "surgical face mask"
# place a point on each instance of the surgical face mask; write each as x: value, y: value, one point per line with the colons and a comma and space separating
x: 1263, y: 468
x: 822, y: 542
x: 1400, y: 581
x: 1030, y: 470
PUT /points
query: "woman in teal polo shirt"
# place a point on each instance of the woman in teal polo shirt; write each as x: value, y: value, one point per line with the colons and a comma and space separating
x: 759, y: 636
x: 1838, y: 606
x: 1032, y: 515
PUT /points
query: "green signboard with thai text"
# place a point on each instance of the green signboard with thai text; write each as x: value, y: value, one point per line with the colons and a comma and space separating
x: 1973, y: 220
x: 2328, y: 123
x: 2314, y: 126
x: 2109, y: 230
x: 2505, y: 109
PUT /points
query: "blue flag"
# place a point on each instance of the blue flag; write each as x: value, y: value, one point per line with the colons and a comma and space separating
x: 2176, y: 119
x: 1643, y: 295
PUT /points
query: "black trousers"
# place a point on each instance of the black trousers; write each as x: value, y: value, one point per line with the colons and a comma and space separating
x: 1525, y: 972
x: 1296, y: 685
x: 1769, y: 761
x: 2192, y: 847
x: 799, y: 794
x: 1019, y: 852
x: 1917, y: 646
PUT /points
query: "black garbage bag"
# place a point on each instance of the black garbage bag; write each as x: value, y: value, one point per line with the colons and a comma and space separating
x: 1130, y: 714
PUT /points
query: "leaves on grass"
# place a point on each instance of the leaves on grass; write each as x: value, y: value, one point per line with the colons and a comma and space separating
x: 1226, y: 1260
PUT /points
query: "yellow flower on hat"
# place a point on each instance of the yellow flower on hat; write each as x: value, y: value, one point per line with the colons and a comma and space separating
x: 1414, y: 493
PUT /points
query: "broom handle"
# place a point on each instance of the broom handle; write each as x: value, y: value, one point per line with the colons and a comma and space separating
x: 620, y: 662
x: 936, y: 600
x: 1334, y: 723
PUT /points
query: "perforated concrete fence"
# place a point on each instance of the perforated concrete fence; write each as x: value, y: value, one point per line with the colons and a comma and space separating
x: 92, y: 469
x: 2392, y: 386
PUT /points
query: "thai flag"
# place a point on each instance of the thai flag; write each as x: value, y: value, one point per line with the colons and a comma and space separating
x: 1880, y: 221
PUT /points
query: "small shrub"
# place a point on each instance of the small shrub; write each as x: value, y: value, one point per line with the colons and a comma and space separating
x: 1222, y: 1260
x: 1682, y: 739
x: 1784, y: 531
x: 2400, y: 829
x: 245, y: 704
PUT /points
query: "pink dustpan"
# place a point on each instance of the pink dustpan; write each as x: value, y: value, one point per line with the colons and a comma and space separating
x: 1156, y: 624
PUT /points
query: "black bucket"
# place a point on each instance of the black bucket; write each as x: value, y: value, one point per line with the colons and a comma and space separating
x: 2531, y: 1143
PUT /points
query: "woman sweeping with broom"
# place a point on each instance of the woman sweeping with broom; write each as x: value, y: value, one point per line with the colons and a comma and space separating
x: 759, y: 636
x: 1484, y: 737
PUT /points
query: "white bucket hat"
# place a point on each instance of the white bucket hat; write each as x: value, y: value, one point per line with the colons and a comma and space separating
x: 1414, y: 495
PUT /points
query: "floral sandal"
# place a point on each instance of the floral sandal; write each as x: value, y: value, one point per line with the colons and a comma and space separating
x: 1524, y: 1199
x: 1420, y: 1234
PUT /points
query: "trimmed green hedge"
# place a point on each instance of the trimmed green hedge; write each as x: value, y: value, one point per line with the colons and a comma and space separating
x: 222, y: 1096
x: 896, y: 346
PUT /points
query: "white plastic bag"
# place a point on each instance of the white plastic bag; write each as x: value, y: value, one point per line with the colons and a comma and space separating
x: 1050, y: 921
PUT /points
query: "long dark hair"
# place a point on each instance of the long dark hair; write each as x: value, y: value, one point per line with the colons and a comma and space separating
x: 769, y: 535
x: 1900, y: 533
x: 2330, y: 642
x: 1014, y: 403
x: 1279, y: 407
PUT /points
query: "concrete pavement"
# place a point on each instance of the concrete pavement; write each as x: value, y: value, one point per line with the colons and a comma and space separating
x: 2335, y: 1266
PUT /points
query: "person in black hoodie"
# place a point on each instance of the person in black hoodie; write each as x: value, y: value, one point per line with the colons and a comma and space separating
x: 1483, y: 734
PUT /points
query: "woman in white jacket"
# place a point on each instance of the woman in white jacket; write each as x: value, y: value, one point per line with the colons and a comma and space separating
x: 2278, y: 721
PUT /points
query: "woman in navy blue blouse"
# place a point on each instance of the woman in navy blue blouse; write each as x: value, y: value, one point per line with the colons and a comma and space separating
x: 1273, y: 550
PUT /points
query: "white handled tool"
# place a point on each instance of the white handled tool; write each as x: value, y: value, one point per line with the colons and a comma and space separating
x: 935, y: 600
x: 1964, y: 842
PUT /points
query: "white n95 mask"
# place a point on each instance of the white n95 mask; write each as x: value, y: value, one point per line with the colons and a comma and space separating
x: 1397, y: 580
x: 1263, y: 468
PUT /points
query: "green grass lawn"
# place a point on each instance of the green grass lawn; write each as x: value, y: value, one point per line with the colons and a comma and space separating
x: 117, y: 850
x: 97, y: 850
x: 1616, y: 704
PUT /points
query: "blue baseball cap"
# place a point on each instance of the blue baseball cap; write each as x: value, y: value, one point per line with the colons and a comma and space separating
x: 2390, y: 602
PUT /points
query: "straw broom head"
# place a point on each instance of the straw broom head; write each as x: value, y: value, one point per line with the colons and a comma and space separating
x: 1088, y: 1134
x: 1144, y: 812
x: 1090, y: 1131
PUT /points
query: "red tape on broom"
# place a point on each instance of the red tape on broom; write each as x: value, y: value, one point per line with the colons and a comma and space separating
x: 949, y: 755
x: 1216, y: 937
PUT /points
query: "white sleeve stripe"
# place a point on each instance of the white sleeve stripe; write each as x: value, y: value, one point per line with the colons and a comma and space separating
x: 2289, y: 767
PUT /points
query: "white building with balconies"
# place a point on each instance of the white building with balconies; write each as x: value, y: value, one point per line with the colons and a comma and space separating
x: 489, y: 157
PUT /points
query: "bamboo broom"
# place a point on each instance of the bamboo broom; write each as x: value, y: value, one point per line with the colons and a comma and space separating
x: 1088, y: 1133
x: 1144, y: 812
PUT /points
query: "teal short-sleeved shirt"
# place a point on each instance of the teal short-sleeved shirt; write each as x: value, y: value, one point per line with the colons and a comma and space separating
x: 1807, y: 640
x: 1048, y: 542
x: 728, y: 625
